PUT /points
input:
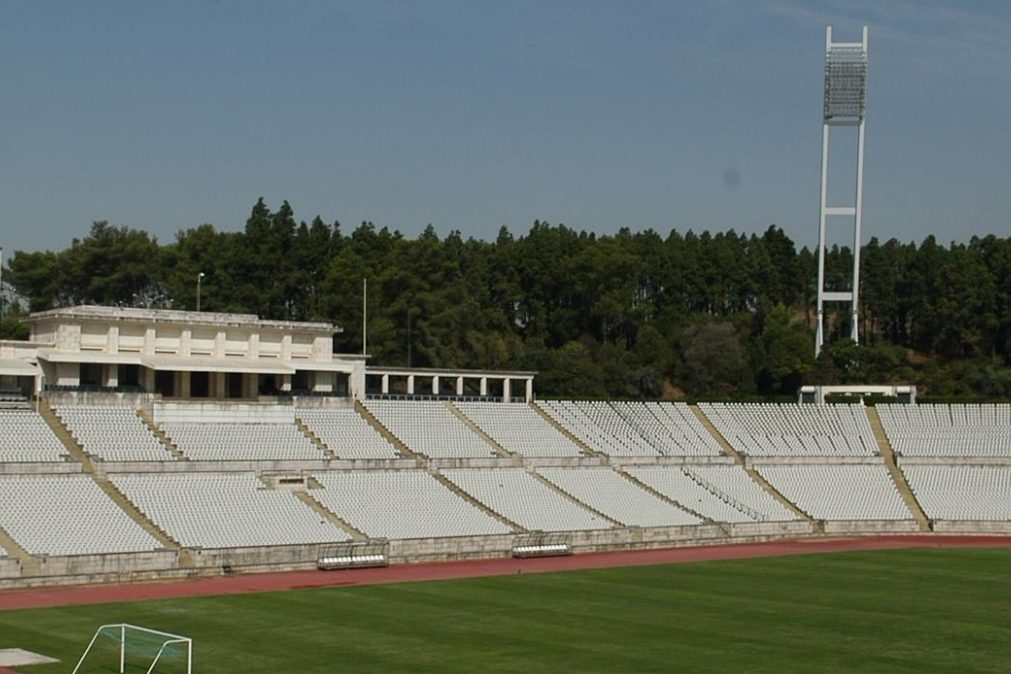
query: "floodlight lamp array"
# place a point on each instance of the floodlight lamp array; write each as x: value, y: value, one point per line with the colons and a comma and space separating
x: 845, y: 84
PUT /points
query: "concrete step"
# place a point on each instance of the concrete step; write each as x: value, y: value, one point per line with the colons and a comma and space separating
x: 775, y: 493
x: 725, y: 445
x: 898, y: 477
x: 450, y: 485
x: 404, y: 450
x: 555, y: 488
x: 75, y: 450
x: 314, y: 439
x: 586, y: 449
x: 645, y: 487
x: 29, y: 565
x: 499, y: 449
x: 137, y: 515
x: 306, y: 498
x: 163, y: 437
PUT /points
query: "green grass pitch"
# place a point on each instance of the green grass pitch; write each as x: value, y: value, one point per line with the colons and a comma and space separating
x: 927, y: 610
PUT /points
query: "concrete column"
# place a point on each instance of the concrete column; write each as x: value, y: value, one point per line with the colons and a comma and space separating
x: 506, y: 389
x: 254, y: 345
x: 113, y: 339
x: 147, y: 379
x: 484, y: 386
x: 384, y: 386
x: 217, y: 386
x: 184, y: 384
x: 219, y: 344
x: 530, y: 390
x: 410, y: 384
x: 435, y: 385
x: 149, y: 341
x: 286, y: 382
x: 459, y: 386
x: 110, y: 376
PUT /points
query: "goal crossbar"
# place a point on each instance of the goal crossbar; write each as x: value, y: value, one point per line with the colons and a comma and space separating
x: 169, y: 640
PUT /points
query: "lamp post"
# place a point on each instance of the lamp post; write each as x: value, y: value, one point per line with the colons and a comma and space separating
x: 845, y: 105
x: 200, y: 278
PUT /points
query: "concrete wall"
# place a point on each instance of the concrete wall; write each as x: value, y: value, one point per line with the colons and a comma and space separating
x: 954, y: 461
x: 273, y: 558
x: 10, y: 567
x: 166, y: 565
x: 103, y: 468
x: 871, y: 527
x: 971, y: 527
x: 40, y: 468
x: 116, y: 563
x: 670, y: 460
x: 758, y: 461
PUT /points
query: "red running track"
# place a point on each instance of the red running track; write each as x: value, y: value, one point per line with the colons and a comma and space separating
x: 269, y: 582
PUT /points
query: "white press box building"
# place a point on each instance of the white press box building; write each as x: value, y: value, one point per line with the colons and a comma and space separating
x: 210, y: 356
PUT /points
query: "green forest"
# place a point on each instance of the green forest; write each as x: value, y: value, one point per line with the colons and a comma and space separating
x: 639, y: 314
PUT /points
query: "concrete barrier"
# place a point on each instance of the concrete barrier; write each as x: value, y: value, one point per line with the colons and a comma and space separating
x: 871, y: 527
x: 759, y: 461
x: 10, y: 567
x: 971, y: 527
x: 53, y: 468
x: 954, y: 460
x: 267, y: 558
x: 108, y: 564
x: 620, y: 461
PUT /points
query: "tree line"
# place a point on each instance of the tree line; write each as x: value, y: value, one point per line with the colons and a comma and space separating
x: 634, y: 314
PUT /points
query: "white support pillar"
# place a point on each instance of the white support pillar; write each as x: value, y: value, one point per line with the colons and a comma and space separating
x: 506, y: 389
x: 410, y: 384
x: 484, y: 386
x: 459, y: 385
x: 530, y: 390
x: 435, y: 385
x: 384, y: 386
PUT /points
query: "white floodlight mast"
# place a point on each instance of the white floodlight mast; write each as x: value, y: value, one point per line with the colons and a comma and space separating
x: 845, y: 105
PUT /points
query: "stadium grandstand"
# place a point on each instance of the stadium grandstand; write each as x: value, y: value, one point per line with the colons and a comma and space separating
x: 141, y: 443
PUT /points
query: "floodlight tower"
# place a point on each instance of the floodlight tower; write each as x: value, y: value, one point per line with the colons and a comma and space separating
x: 845, y: 105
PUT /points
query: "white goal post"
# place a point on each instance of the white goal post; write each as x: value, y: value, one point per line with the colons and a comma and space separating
x: 156, y: 642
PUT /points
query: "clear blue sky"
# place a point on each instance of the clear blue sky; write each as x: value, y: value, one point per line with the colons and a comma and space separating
x: 471, y: 115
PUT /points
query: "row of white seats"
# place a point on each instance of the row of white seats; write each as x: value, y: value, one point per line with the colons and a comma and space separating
x: 525, y: 500
x: 519, y: 429
x: 429, y: 428
x: 25, y: 437
x: 401, y: 504
x: 233, y: 442
x: 608, y: 492
x: 67, y: 515
x: 347, y: 434
x: 760, y: 429
x: 634, y: 429
x: 225, y: 510
x: 840, y: 492
x: 962, y: 492
x: 113, y: 433
x: 719, y: 493
x: 948, y: 430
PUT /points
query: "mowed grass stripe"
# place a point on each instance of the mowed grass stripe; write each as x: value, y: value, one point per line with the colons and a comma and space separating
x: 926, y: 610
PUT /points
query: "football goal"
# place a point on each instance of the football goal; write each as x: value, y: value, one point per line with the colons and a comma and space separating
x: 127, y: 648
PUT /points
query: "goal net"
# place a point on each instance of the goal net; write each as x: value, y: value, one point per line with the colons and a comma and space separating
x: 124, y: 648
